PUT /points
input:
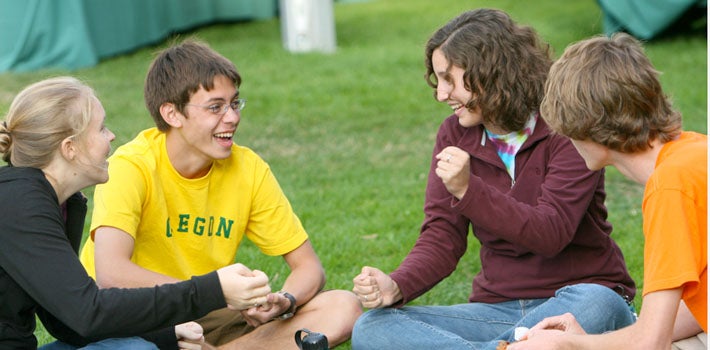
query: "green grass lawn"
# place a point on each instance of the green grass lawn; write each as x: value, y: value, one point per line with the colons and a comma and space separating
x: 349, y: 135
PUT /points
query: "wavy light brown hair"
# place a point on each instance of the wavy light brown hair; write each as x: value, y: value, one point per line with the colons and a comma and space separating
x: 179, y: 71
x: 41, y: 116
x: 607, y: 91
x: 505, y: 64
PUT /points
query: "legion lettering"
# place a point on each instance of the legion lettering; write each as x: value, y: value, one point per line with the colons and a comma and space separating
x: 201, y: 226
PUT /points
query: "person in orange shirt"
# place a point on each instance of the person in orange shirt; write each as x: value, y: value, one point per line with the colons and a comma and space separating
x: 604, y: 94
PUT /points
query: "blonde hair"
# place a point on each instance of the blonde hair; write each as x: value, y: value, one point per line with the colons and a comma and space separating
x: 607, y: 91
x: 41, y: 116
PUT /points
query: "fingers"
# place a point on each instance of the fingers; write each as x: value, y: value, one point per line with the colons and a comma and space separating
x: 261, y: 314
x: 450, y: 161
x: 367, y: 292
x: 249, y: 317
x: 189, y: 331
x: 190, y: 336
x: 561, y: 322
x: 189, y: 345
x: 242, y: 269
x: 372, y: 300
x: 242, y: 287
x: 451, y: 155
x: 366, y: 287
x: 370, y: 271
x: 260, y: 275
x: 256, y: 297
x: 259, y: 280
x: 260, y: 295
x: 271, y: 299
x: 453, y: 168
x: 366, y: 281
x: 365, y: 274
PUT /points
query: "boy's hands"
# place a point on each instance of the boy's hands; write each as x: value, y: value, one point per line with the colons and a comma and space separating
x: 275, y: 305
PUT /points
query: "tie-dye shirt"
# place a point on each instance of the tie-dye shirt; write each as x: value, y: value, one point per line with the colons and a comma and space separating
x: 509, y: 144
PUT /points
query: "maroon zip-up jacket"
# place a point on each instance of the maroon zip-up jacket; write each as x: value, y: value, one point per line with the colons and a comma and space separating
x: 542, y: 231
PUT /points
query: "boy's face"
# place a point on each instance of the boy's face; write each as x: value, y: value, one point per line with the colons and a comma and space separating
x: 595, y: 155
x: 207, y: 130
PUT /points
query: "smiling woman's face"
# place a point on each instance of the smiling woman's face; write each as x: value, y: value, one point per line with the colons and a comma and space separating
x: 95, y: 145
x: 451, y: 90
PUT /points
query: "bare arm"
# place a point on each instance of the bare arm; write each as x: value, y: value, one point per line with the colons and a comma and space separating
x: 685, y: 324
x: 307, y: 276
x: 114, y: 268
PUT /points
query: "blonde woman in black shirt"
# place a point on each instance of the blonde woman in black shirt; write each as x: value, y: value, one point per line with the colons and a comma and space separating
x: 55, y: 143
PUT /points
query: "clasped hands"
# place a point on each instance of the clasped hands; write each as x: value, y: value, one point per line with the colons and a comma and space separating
x: 248, y: 291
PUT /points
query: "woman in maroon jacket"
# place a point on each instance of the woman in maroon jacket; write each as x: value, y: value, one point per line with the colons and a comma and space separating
x: 525, y: 193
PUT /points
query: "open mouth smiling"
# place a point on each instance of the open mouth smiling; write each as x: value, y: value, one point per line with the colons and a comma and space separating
x: 224, y: 135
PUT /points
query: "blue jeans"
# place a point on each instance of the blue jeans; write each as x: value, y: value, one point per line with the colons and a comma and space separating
x: 480, y: 326
x: 136, y: 343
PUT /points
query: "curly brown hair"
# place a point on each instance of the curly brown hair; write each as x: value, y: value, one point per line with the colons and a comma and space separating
x: 607, y: 91
x: 505, y: 64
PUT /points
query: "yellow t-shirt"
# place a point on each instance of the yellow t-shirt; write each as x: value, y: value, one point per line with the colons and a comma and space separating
x: 184, y: 227
x: 675, y: 223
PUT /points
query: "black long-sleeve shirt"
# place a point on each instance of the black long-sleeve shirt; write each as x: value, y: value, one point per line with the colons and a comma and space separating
x: 40, y: 274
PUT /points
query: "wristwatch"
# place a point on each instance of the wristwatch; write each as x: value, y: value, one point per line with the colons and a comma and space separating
x: 292, y: 307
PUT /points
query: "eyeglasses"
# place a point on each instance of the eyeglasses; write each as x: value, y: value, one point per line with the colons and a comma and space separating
x: 222, y: 108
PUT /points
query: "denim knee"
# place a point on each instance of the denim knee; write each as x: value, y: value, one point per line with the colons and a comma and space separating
x: 367, y: 322
x: 597, y: 308
x: 372, y: 326
x: 133, y: 343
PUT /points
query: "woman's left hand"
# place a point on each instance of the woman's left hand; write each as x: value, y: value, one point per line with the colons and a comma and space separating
x: 190, y: 336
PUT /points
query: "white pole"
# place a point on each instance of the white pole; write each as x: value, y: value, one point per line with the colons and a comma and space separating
x: 307, y: 25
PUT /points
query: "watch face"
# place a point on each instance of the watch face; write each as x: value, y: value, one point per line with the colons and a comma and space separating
x: 291, y: 308
x: 292, y: 301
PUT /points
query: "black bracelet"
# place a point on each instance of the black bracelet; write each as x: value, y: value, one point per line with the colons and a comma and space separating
x: 292, y: 307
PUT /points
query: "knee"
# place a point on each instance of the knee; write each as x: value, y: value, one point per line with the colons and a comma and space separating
x: 350, y: 304
x: 599, y: 305
x: 344, y: 301
x: 343, y: 308
x: 590, y: 292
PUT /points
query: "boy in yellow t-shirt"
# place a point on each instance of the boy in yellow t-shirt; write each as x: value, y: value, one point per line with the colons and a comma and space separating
x: 182, y: 196
x: 604, y: 94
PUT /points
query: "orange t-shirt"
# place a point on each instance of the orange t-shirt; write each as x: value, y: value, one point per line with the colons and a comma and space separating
x: 675, y: 223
